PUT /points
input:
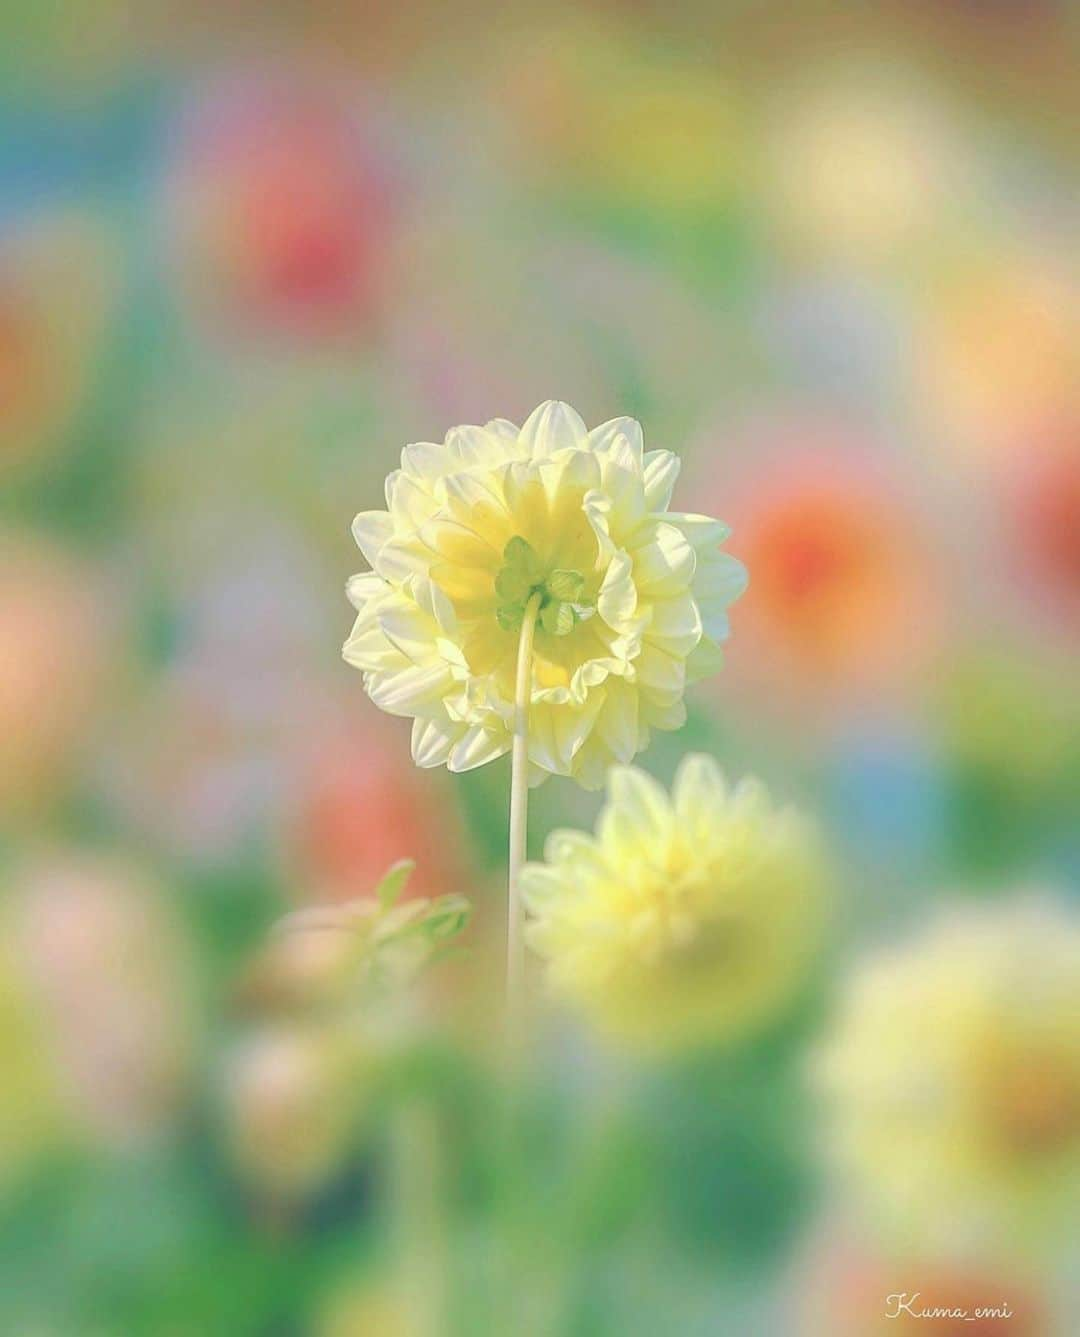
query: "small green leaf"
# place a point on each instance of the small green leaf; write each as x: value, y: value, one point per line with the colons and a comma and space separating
x: 558, y: 618
x: 567, y: 585
x: 393, y: 882
x: 448, y: 916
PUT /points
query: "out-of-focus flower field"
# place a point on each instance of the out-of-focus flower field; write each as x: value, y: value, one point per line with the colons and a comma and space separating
x: 827, y: 254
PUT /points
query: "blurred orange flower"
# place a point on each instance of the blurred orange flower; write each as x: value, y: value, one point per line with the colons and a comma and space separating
x: 56, y: 648
x: 839, y: 596
x: 998, y: 341
x: 57, y: 291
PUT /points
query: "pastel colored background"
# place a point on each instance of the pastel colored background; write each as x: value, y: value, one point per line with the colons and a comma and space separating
x: 827, y: 254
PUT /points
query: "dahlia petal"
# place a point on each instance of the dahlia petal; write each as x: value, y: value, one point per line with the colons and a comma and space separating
x: 637, y: 808
x: 607, y: 436
x: 402, y: 560
x: 572, y: 470
x: 666, y: 717
x: 425, y: 461
x: 704, y: 660
x: 564, y: 846
x: 409, y: 629
x: 371, y: 530
x: 661, y: 469
x: 656, y: 668
x: 617, y: 722
x: 626, y: 494
x: 477, y: 746
x: 408, y: 691
x: 720, y: 577
x: 665, y: 564
x: 750, y: 798
x: 591, y: 764
x: 699, y: 784
x: 475, y: 446
x: 503, y: 430
x: 617, y: 599
x: 675, y: 625
x: 597, y: 510
x: 540, y: 885
x: 432, y: 741
x: 436, y: 605
x: 368, y: 649
x: 545, y: 743
x: 553, y: 426
x: 478, y: 505
x: 362, y: 588
x: 701, y: 531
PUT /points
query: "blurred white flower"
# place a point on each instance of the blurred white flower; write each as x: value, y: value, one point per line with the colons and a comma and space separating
x: 953, y: 1081
x: 631, y: 599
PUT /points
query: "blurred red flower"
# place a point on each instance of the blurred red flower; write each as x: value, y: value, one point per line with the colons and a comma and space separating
x: 1043, y: 507
x: 357, y: 804
x: 279, y: 214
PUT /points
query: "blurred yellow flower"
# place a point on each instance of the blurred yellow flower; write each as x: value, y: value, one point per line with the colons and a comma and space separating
x: 554, y: 522
x: 686, y: 919
x: 953, y: 1081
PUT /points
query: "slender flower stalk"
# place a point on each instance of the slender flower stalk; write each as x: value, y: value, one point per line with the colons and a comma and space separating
x: 519, y: 817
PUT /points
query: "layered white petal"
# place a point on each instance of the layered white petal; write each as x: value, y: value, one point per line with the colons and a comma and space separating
x: 655, y: 591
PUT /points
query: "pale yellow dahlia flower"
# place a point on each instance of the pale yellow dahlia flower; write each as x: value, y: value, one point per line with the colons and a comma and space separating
x: 953, y: 1081
x: 684, y: 920
x: 630, y: 598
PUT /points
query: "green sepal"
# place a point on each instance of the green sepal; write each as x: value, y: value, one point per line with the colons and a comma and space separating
x: 510, y: 616
x: 558, y: 618
x: 566, y: 585
x: 511, y: 584
x: 521, y: 555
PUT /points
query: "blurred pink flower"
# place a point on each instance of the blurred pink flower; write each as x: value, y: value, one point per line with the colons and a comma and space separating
x: 104, y: 967
x: 293, y: 1096
x: 279, y: 215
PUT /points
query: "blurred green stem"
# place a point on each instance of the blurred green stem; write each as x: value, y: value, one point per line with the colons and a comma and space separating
x: 421, y: 1232
x: 519, y: 817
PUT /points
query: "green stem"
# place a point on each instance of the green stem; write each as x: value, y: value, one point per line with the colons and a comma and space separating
x: 519, y: 817
x: 420, y: 1228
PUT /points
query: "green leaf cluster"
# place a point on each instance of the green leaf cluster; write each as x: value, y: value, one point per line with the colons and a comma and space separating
x: 563, y: 600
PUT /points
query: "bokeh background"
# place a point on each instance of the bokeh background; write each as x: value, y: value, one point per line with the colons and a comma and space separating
x: 247, y: 252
